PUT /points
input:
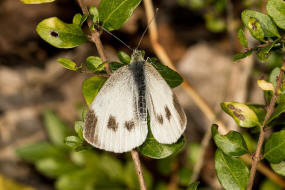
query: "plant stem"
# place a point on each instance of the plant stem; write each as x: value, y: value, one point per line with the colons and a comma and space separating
x: 256, y: 157
x: 138, y: 167
x: 95, y: 37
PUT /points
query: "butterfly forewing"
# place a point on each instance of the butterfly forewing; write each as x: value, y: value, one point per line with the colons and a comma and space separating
x: 167, y: 118
x: 114, y: 122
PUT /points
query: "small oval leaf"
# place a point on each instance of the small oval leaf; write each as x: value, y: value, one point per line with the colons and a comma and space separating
x: 241, y: 113
x: 264, y: 85
x: 153, y: 149
x: 242, y: 55
x: 113, y: 14
x: 242, y: 38
x: 231, y: 144
x: 60, y: 34
x: 67, y: 63
x: 276, y: 9
x: 93, y: 62
x: 232, y: 173
x: 94, y: 14
x: 123, y: 57
x: 274, y: 150
x: 91, y: 87
x: 267, y: 25
x: 73, y: 141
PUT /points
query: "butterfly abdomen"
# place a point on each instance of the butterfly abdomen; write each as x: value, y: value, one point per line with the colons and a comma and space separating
x: 137, y: 69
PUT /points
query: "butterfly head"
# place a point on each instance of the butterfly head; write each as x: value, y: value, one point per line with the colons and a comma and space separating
x: 137, y: 56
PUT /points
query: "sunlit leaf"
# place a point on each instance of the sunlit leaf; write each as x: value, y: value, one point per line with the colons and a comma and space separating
x: 94, y: 13
x: 93, y: 62
x: 123, y: 57
x: 242, y: 38
x: 113, y: 14
x: 60, y: 34
x: 276, y: 9
x: 279, y: 168
x: 67, y: 63
x: 264, y: 85
x: 193, y: 186
x: 91, y: 87
x: 241, y: 113
x: 267, y: 25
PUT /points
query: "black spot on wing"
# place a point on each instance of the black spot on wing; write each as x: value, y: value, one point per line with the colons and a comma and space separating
x: 129, y: 125
x: 159, y: 119
x: 90, y: 126
x: 167, y: 113
x: 182, y: 117
x: 112, y: 123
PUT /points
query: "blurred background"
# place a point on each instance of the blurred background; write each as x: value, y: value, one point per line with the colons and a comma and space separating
x: 40, y: 100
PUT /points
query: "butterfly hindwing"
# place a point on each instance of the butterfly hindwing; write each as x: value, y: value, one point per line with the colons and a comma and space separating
x: 113, y: 122
x: 167, y: 118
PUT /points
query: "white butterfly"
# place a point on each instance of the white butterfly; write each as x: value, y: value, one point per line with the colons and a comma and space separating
x: 117, y: 119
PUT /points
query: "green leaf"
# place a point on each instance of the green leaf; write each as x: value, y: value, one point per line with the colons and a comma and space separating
x: 255, y: 28
x: 93, y: 62
x: 36, y: 1
x: 241, y: 113
x: 214, y: 23
x: 78, y: 127
x: 276, y: 9
x: 115, y: 65
x: 264, y: 53
x: 94, y: 13
x: 81, y: 179
x: 57, y: 130
x: 77, y: 18
x: 172, y: 78
x: 113, y: 14
x: 273, y: 78
x: 277, y: 112
x: 242, y: 38
x: 269, y: 185
x: 267, y: 25
x: 123, y: 57
x: 259, y: 110
x: 232, y: 173
x: 91, y: 87
x: 279, y: 168
x: 54, y: 167
x: 274, y: 150
x: 60, y: 34
x: 153, y: 149
x: 67, y: 63
x: 242, y: 55
x: 193, y: 186
x: 73, y: 141
x: 38, y: 151
x: 231, y: 144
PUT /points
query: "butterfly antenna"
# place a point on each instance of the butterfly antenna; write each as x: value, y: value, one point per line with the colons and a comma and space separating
x: 105, y: 30
x: 156, y: 10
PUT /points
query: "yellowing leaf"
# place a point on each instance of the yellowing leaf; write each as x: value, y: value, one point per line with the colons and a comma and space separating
x: 264, y: 85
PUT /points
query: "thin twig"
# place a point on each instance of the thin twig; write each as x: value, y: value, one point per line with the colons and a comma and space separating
x: 95, y: 37
x: 138, y: 167
x: 198, y: 100
x: 269, y: 111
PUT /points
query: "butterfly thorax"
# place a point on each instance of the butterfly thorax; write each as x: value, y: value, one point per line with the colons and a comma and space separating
x: 138, y: 71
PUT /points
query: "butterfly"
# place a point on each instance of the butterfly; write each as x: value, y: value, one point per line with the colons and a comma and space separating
x: 117, y: 118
